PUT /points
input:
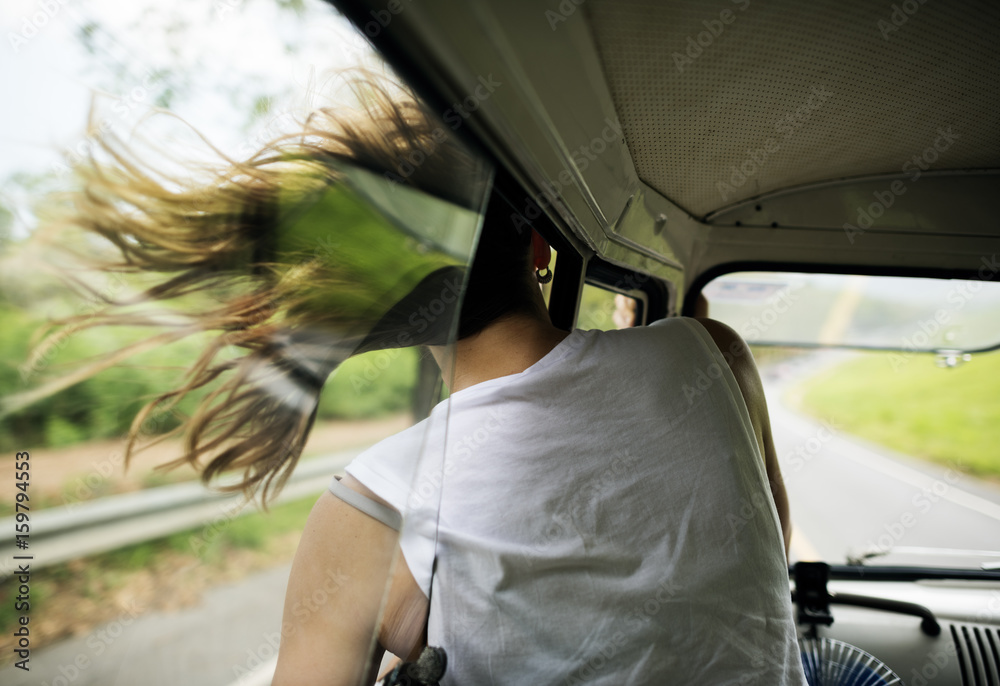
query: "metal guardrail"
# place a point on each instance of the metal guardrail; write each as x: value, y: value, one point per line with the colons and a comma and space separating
x: 64, y: 533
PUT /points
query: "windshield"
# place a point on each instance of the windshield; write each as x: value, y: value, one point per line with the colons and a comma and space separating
x: 889, y: 457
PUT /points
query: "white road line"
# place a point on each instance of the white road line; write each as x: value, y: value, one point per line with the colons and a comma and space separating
x: 261, y: 676
x: 861, y: 454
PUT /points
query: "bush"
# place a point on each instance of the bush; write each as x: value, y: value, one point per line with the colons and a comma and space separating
x: 104, y: 405
x: 370, y: 385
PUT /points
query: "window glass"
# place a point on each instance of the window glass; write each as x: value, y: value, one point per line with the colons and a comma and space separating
x: 606, y: 310
x: 888, y: 457
x: 882, y: 312
x: 172, y: 187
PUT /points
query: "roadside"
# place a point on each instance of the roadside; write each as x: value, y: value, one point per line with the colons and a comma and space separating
x: 853, y: 494
x: 948, y: 416
x: 91, y: 470
x: 231, y: 630
x: 165, y: 574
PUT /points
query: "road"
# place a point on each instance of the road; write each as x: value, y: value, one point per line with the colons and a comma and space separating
x: 845, y: 496
x: 232, y: 632
x: 849, y: 497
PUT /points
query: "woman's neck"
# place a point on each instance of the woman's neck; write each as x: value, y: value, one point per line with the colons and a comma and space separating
x: 507, y: 346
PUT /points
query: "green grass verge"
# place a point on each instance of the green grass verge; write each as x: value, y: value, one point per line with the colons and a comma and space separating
x: 909, y: 404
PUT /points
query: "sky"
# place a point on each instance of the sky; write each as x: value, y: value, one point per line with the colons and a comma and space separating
x: 219, y: 58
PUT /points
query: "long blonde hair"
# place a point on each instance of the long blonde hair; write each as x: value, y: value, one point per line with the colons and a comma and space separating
x: 257, y: 408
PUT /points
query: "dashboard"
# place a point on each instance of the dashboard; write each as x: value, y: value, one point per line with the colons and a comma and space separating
x: 966, y: 650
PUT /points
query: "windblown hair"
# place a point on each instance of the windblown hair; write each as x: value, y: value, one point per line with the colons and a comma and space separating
x: 219, y: 238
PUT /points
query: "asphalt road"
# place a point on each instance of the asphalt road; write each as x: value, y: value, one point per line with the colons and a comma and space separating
x: 846, y: 497
x: 226, y: 637
x: 849, y: 497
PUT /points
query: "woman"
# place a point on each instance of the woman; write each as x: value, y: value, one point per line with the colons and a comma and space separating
x: 584, y: 517
x: 545, y: 399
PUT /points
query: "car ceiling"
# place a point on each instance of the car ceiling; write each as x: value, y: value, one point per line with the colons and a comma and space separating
x: 674, y: 138
x: 836, y: 98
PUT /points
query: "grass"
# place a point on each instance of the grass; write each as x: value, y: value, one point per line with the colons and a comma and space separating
x: 374, y: 384
x: 211, y: 542
x: 909, y: 404
x: 72, y: 598
x: 37, y: 502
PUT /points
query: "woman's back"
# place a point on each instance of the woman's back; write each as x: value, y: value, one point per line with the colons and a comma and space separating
x: 604, y: 518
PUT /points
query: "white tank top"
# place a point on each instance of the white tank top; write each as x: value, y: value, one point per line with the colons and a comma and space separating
x: 604, y: 519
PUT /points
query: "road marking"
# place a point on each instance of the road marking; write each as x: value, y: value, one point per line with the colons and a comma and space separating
x: 261, y: 676
x: 924, y: 481
x: 840, y: 315
x: 857, y: 452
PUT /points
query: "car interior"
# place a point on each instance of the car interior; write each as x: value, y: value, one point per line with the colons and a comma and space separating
x: 816, y: 175
x: 674, y: 151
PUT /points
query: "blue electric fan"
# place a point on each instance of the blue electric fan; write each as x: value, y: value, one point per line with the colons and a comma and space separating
x: 829, y: 662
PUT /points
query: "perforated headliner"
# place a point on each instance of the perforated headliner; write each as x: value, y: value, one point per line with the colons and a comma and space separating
x: 780, y: 96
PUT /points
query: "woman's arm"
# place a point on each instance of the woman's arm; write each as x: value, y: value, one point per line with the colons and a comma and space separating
x: 737, y: 355
x: 331, y: 634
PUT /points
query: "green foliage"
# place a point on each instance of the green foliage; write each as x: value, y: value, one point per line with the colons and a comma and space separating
x: 41, y: 591
x: 245, y: 533
x: 102, y: 406
x: 370, y: 385
x: 352, y: 279
x: 252, y: 531
x: 907, y: 403
x: 133, y: 557
x: 261, y: 106
x: 60, y: 431
x: 6, y: 222
x: 596, y: 309
x: 39, y: 501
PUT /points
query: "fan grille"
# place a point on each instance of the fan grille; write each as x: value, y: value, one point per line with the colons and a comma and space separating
x: 978, y: 651
x: 829, y: 662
